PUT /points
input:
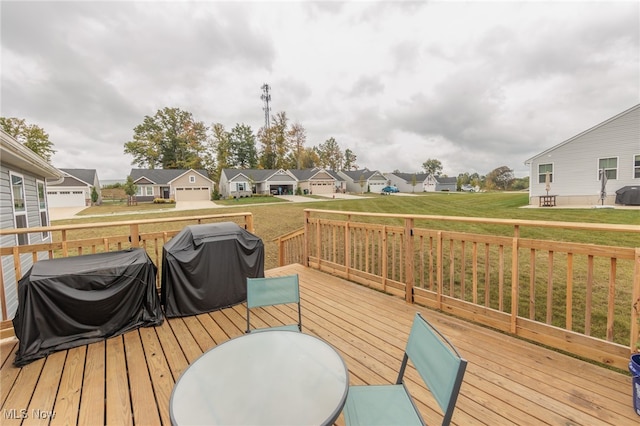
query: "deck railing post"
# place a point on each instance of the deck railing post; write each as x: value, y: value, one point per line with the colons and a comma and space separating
x: 515, y: 278
x: 439, y: 266
x: 134, y: 232
x: 306, y: 241
x: 635, y: 297
x: 409, y: 262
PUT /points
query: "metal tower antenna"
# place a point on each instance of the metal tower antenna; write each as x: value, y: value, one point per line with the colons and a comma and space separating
x: 266, y: 98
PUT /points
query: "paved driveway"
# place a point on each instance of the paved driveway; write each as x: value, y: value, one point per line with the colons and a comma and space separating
x: 195, y: 205
x: 61, y: 213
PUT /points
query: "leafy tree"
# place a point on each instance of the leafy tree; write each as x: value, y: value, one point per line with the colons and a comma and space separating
x: 242, y: 147
x: 268, y: 155
x: 414, y: 182
x: 310, y: 158
x: 94, y: 195
x: 130, y: 189
x: 331, y: 156
x: 519, y: 184
x: 171, y: 139
x: 30, y: 135
x: 499, y: 178
x: 222, y: 148
x: 297, y: 136
x: 281, y: 141
x: 349, y: 160
x: 432, y: 166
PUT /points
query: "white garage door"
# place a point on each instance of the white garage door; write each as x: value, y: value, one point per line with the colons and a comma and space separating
x: 65, y: 198
x: 192, y: 194
x: 322, y: 187
x: 377, y: 186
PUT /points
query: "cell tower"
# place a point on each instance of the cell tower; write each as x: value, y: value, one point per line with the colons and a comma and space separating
x: 266, y: 98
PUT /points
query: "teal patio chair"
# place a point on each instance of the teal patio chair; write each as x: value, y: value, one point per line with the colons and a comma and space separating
x: 273, y: 291
x: 439, y: 365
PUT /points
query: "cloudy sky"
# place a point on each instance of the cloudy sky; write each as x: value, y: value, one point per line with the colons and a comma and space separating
x: 476, y: 85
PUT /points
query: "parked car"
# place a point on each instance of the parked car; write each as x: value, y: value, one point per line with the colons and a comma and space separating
x: 467, y: 188
x: 389, y: 189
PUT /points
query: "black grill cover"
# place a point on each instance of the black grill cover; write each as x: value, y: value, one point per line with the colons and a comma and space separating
x: 628, y: 195
x: 205, y: 267
x: 74, y: 301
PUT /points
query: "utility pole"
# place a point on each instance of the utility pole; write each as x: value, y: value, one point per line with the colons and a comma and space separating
x: 266, y: 98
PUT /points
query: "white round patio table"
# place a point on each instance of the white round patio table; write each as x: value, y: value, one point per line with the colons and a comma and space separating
x: 271, y: 377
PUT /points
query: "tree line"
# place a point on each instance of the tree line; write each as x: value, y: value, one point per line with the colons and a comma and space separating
x: 173, y: 139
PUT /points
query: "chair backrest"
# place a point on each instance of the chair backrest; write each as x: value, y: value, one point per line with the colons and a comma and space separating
x: 273, y: 291
x: 438, y: 362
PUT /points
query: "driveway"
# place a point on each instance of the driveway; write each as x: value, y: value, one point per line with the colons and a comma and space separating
x: 61, y: 213
x: 195, y: 205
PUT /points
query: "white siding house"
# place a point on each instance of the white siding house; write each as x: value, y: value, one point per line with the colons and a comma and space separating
x: 75, y: 190
x: 574, y: 165
x: 360, y: 181
x: 23, y: 176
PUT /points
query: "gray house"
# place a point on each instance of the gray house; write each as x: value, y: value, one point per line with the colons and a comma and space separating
x: 23, y: 204
x: 316, y: 181
x: 408, y: 182
x: 422, y: 182
x: 75, y: 189
x: 364, y: 180
x: 574, y: 166
x: 441, y: 183
x: 174, y: 184
x: 244, y: 182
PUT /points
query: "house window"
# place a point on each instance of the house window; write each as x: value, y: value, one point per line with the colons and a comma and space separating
x: 192, y: 179
x: 42, y: 207
x: 240, y: 186
x: 636, y: 166
x: 610, y: 167
x: 144, y: 190
x: 543, y: 169
x: 19, y: 207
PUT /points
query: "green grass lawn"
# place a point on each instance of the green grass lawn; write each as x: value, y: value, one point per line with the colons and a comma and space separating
x: 249, y: 200
x: 272, y: 220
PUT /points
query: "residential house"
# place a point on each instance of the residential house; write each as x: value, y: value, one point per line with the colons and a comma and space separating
x: 364, y: 180
x: 408, y: 182
x: 244, y: 182
x: 316, y: 181
x: 23, y: 204
x: 75, y: 190
x: 441, y: 183
x: 573, y: 167
x: 174, y: 184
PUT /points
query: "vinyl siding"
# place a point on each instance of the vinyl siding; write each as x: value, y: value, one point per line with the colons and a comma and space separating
x: 575, y: 162
x: 7, y: 222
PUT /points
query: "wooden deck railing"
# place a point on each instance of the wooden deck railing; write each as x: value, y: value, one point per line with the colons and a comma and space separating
x: 71, y: 240
x: 576, y: 297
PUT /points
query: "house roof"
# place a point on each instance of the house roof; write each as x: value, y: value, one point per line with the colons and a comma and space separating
x: 446, y: 180
x: 15, y: 154
x: 256, y: 175
x: 307, y: 174
x: 365, y: 173
x: 633, y: 108
x: 162, y: 176
x: 407, y: 177
x: 87, y: 176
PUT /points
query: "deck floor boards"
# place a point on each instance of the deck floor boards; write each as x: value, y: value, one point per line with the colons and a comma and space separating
x: 128, y: 379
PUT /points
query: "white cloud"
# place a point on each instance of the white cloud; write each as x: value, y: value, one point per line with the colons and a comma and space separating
x: 476, y: 85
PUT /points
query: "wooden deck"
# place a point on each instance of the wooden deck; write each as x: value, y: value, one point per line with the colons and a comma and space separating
x: 127, y: 380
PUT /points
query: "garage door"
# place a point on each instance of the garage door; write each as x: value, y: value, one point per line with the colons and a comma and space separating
x: 192, y: 194
x: 322, y: 188
x: 376, y: 186
x: 65, y: 198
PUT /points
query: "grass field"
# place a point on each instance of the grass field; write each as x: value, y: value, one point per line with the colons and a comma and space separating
x: 273, y: 220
